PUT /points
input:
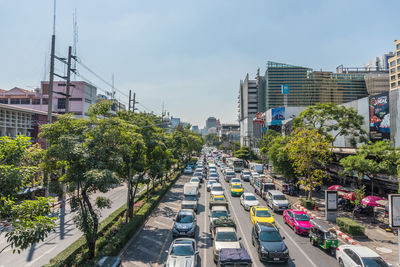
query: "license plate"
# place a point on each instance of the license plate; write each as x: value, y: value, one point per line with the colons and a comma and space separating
x: 276, y: 259
x: 183, y: 233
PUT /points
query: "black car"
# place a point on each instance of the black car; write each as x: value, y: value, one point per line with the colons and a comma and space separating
x: 269, y: 243
x: 184, y: 224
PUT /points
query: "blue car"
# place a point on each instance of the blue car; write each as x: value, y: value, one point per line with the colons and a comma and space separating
x: 184, y: 224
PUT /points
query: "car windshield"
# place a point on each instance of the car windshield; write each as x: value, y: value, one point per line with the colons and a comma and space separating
x: 217, y: 188
x: 213, y: 175
x: 331, y: 235
x: 270, y: 236
x: 182, y: 250
x: 226, y: 236
x: 263, y: 213
x: 301, y: 217
x: 236, y: 186
x: 374, y: 262
x: 194, y: 180
x: 230, y: 173
x: 184, y: 218
x: 246, y: 173
x: 279, y: 197
x: 250, y: 197
x: 212, y: 182
x: 219, y: 198
x: 219, y: 213
x: 234, y: 180
x: 189, y: 198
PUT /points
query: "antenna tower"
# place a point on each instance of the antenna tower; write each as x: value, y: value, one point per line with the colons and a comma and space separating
x: 75, y: 38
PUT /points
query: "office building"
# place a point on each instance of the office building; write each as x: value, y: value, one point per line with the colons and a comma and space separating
x: 394, y: 67
x: 211, y: 122
x: 250, y: 102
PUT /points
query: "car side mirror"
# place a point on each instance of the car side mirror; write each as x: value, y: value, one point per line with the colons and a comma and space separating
x: 174, y: 220
x: 166, y: 251
x: 240, y: 238
x: 196, y: 253
x: 283, y: 237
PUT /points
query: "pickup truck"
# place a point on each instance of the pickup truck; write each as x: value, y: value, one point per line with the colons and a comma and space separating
x: 234, y: 257
x: 224, y: 236
x: 262, y: 184
x: 217, y: 212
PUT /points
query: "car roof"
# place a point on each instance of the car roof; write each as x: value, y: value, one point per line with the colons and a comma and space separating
x: 299, y: 212
x: 248, y: 194
x: 237, y: 184
x: 361, y: 251
x: 261, y: 208
x: 275, y: 192
x: 219, y: 208
x: 225, y: 229
x: 266, y: 226
x: 184, y: 241
x: 185, y: 211
x: 216, y: 184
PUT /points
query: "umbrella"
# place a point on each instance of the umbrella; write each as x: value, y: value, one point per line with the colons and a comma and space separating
x: 350, y: 196
x: 338, y: 188
x: 372, y: 201
x: 383, y: 202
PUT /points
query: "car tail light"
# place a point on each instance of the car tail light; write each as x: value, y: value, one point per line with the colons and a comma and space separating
x: 338, y: 248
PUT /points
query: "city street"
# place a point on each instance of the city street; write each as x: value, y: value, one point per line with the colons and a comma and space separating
x: 66, y: 233
x: 153, y: 244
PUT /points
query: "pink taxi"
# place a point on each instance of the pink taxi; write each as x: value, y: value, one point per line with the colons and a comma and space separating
x: 298, y: 220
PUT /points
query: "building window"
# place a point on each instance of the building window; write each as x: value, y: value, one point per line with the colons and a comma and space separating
x: 393, y: 85
x: 398, y: 53
x: 398, y: 46
x: 75, y: 99
x: 61, y: 103
x: 393, y: 77
x: 45, y: 101
x: 15, y: 101
x: 88, y: 101
x: 392, y: 63
x: 393, y: 70
x: 398, y: 61
x: 36, y: 101
x: 3, y: 100
x: 25, y: 101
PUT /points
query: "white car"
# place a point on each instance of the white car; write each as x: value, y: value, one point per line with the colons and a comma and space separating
x: 358, y: 256
x: 217, y: 189
x: 252, y: 176
x: 209, y: 184
x: 188, y: 170
x: 213, y: 176
x: 195, y: 180
x: 229, y: 174
x: 182, y: 252
x: 248, y: 200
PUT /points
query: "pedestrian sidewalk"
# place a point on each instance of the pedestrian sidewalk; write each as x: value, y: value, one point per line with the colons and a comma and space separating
x: 382, y: 242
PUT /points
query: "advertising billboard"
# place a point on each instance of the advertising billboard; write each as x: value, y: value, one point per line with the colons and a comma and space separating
x: 277, y: 116
x: 394, y: 211
x: 379, y: 117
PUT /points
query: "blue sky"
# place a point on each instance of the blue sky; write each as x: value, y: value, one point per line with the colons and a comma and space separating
x: 191, y: 54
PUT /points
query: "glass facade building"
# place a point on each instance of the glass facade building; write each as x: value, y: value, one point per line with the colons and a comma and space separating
x: 308, y: 87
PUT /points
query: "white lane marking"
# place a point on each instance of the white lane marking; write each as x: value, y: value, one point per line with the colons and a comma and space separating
x: 205, y: 224
x: 38, y: 258
x: 295, y: 243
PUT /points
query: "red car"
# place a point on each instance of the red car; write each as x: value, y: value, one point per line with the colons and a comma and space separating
x: 298, y: 220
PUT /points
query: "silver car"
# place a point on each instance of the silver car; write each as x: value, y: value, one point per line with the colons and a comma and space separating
x: 182, y: 252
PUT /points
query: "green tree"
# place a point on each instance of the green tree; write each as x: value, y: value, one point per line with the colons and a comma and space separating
x: 310, y: 152
x: 30, y: 219
x: 279, y: 157
x: 212, y: 139
x: 245, y: 153
x: 268, y: 138
x: 331, y: 121
x: 372, y: 159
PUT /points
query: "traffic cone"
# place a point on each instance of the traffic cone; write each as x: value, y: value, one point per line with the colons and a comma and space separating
x: 315, y: 206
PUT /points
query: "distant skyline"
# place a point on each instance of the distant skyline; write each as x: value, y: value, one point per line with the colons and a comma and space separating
x: 191, y: 55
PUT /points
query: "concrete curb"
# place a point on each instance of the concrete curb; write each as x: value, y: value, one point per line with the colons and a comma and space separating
x: 340, y: 234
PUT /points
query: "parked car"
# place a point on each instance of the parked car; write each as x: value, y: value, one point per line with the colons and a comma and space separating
x: 360, y: 256
x: 182, y: 252
x: 261, y: 214
x: 269, y: 243
x: 188, y: 170
x: 248, y: 200
x: 298, y: 220
x: 217, y: 189
x: 276, y: 200
x: 184, y: 223
x: 209, y: 184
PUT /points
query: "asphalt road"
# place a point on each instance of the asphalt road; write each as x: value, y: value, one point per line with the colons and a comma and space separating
x: 148, y: 247
x: 66, y: 233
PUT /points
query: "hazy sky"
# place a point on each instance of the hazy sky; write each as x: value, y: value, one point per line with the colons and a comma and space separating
x: 191, y: 54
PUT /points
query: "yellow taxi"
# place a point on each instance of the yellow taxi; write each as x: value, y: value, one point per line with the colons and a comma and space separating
x: 261, y: 214
x: 236, y: 190
x: 218, y: 200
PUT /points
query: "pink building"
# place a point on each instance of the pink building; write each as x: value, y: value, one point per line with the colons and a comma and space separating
x: 82, y: 96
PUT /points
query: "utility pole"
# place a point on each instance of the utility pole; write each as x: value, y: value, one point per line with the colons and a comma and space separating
x: 68, y: 80
x: 51, y: 81
x: 129, y: 105
x: 132, y: 100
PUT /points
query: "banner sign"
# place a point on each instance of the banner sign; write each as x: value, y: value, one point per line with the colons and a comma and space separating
x: 394, y: 210
x: 278, y: 115
x: 379, y: 117
x: 285, y: 89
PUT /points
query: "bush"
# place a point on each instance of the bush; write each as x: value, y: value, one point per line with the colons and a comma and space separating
x: 350, y: 226
x: 306, y: 203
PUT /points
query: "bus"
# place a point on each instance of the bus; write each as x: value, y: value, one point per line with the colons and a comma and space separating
x: 235, y: 164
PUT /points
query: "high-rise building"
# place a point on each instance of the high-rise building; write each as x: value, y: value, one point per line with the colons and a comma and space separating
x: 394, y: 67
x: 379, y: 63
x: 175, y: 122
x: 250, y: 102
x: 211, y: 122
x: 308, y: 87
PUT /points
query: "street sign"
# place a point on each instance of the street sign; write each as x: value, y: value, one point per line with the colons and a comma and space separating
x: 285, y: 89
x: 394, y: 211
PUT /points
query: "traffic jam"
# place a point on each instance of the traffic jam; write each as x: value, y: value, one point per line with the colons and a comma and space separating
x: 222, y: 183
